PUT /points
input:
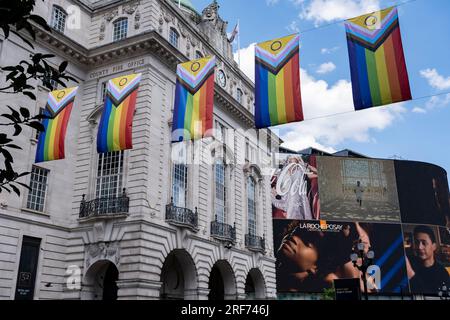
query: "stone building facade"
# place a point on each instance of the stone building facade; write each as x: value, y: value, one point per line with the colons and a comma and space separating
x: 133, y: 224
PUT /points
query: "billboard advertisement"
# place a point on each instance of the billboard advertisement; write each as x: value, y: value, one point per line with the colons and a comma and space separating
x: 427, y: 257
x: 295, y: 188
x: 423, y: 193
x: 358, y: 189
x: 312, y: 254
x: 322, y: 206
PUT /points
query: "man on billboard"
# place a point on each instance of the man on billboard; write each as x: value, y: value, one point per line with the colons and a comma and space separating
x: 359, y: 193
x: 425, y: 273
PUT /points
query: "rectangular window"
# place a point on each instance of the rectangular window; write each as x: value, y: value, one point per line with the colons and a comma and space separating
x: 109, y: 175
x: 120, y: 29
x: 247, y: 150
x: 26, y: 277
x: 221, y: 193
x: 251, y: 206
x: 38, y: 185
x: 103, y: 90
x: 41, y: 111
x: 179, y: 184
x: 173, y: 37
x: 58, y: 19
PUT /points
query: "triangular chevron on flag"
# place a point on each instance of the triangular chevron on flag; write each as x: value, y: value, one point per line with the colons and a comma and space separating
x: 119, y: 88
x: 193, y: 74
x: 59, y: 99
x: 275, y: 53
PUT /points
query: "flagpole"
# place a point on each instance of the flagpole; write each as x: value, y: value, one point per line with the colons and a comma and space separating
x: 179, y: 4
x: 239, y: 44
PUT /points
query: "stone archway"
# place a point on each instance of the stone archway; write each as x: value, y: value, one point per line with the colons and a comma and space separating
x: 222, y: 282
x: 255, y: 286
x: 178, y: 276
x: 100, y: 281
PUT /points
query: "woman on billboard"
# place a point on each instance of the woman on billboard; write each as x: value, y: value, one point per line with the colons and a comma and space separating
x: 291, y: 190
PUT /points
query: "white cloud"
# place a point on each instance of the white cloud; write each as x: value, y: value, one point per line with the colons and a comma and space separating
x: 419, y: 110
x: 330, y: 10
x: 320, y: 100
x: 435, y: 79
x: 329, y: 50
x: 293, y: 27
x: 438, y: 102
x: 326, y: 68
x: 272, y: 2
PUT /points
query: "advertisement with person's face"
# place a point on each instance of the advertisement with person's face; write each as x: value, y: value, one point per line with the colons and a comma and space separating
x: 312, y: 254
x: 427, y: 258
x: 423, y: 193
x: 357, y: 189
x: 295, y: 188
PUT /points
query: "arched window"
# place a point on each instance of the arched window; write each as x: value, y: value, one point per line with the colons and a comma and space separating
x: 239, y: 95
x: 120, y: 29
x: 174, y: 37
x: 220, y: 192
x: 198, y: 55
x: 58, y: 19
x: 251, y: 205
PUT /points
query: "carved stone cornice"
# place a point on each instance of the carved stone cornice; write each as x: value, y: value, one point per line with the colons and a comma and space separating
x: 235, y: 108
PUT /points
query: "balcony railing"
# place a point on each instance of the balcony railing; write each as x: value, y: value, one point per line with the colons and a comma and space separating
x: 255, y: 243
x: 182, y: 216
x: 223, y: 231
x: 104, y: 206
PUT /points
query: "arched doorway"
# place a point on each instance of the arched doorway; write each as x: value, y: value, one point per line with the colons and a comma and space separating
x: 178, y: 276
x: 100, y: 282
x: 255, y: 287
x: 222, y: 283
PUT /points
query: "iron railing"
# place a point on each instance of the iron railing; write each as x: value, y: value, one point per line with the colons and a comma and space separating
x: 223, y: 231
x: 255, y: 243
x: 181, y: 216
x: 104, y: 206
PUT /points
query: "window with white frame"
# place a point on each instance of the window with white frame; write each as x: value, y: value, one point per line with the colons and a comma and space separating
x: 247, y: 149
x: 179, y: 181
x: 174, y: 37
x: 38, y: 185
x: 109, y: 174
x: 59, y: 17
x: 239, y: 95
x: 103, y: 90
x: 220, y: 192
x: 120, y: 29
x: 251, y: 205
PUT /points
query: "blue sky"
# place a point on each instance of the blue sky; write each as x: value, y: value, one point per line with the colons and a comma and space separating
x: 415, y: 130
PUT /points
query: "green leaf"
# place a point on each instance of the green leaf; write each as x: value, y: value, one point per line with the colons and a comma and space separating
x: 15, y: 114
x: 23, y: 184
x: 7, y: 155
x: 63, y: 66
x: 9, y: 68
x: 40, y: 21
x: 13, y: 146
x: 3, y: 187
x: 17, y: 130
x: 24, y: 112
x: 4, y: 139
x: 29, y: 94
x: 15, y: 189
x: 10, y: 117
x: 36, y: 125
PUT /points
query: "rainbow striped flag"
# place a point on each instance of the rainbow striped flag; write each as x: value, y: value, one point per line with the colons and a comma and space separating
x: 116, y: 124
x: 377, y: 62
x: 57, y: 111
x: 194, y: 100
x: 277, y: 77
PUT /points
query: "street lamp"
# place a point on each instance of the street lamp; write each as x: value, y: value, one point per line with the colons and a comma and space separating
x: 366, y: 259
x: 444, y: 292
